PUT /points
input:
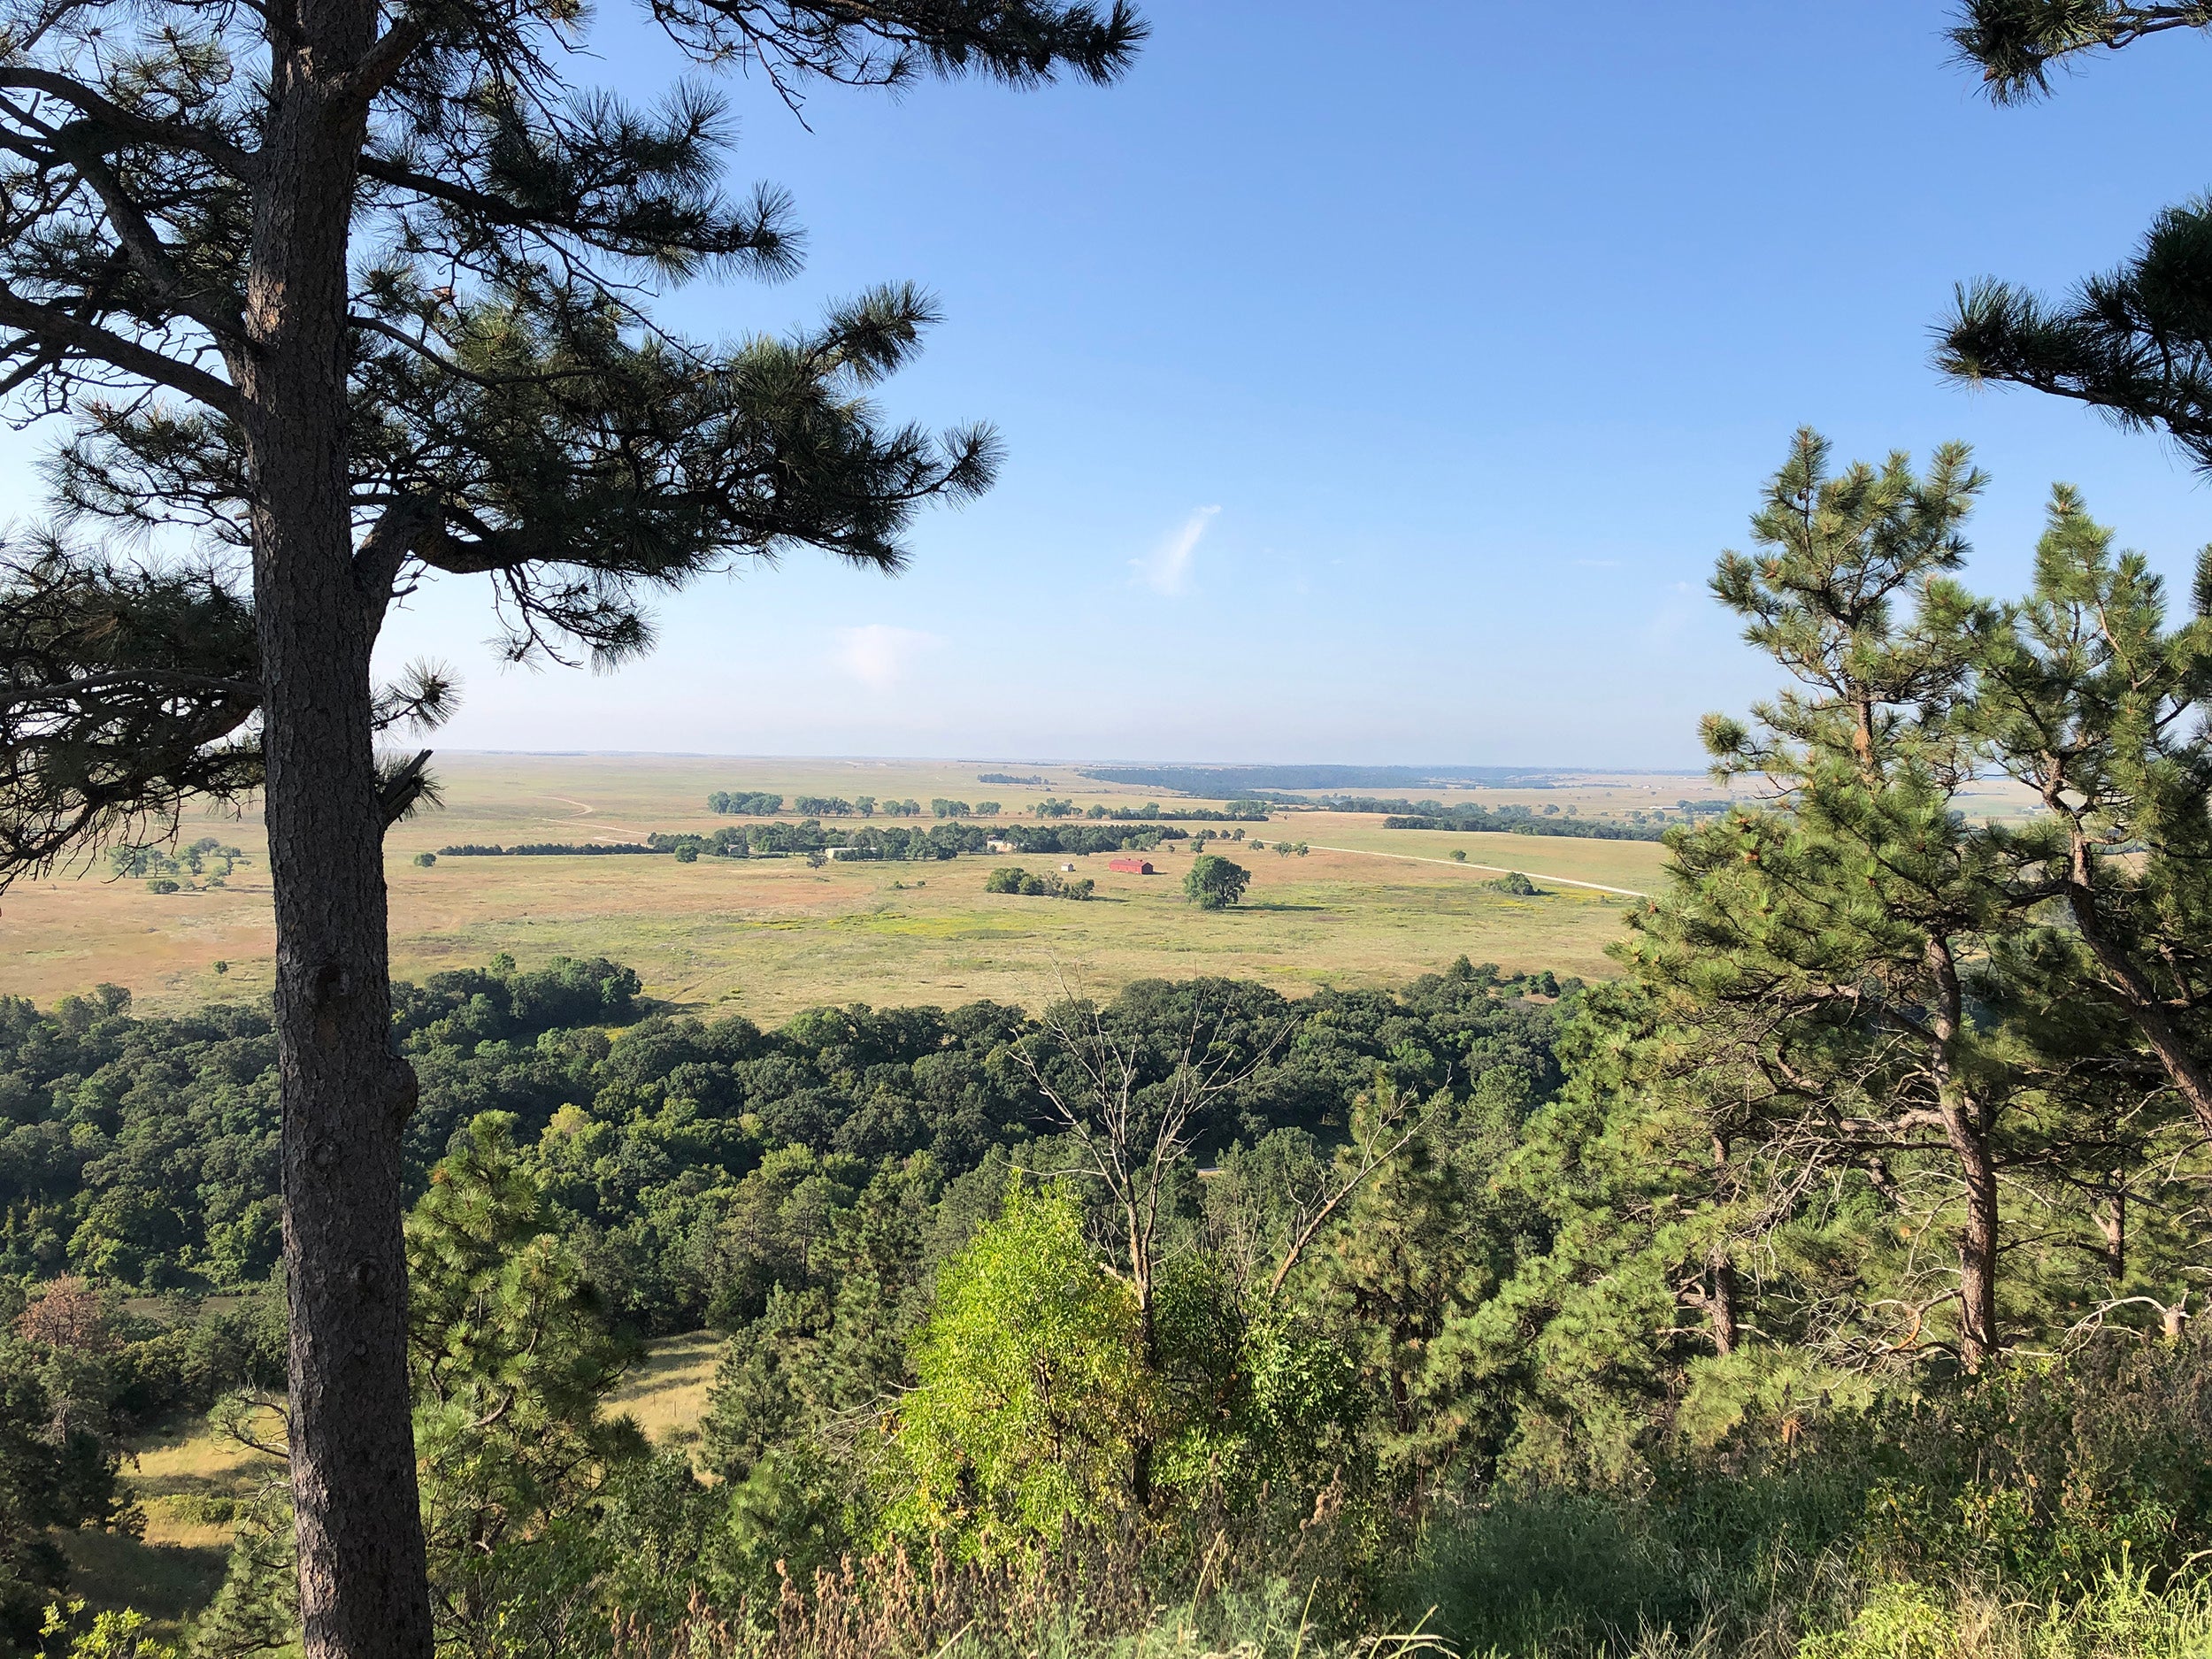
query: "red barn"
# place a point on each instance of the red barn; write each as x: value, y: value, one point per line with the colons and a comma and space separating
x: 1131, y: 866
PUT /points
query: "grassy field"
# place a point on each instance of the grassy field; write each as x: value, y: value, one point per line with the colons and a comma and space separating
x: 768, y: 937
x: 666, y: 1391
x: 185, y: 1479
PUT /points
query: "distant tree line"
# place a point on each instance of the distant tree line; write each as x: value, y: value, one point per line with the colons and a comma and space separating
x: 1218, y: 782
x: 948, y: 839
x: 544, y: 850
x: 1518, y: 820
x: 1235, y: 813
x: 1375, y: 803
x: 1008, y: 777
x: 761, y: 805
x: 1643, y: 825
x: 859, y: 806
x: 1090, y: 838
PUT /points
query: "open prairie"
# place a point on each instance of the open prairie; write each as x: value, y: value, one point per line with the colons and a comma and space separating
x: 766, y: 937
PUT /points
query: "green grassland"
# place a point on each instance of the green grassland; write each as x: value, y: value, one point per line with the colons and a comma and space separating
x: 768, y: 937
x: 187, y: 1478
x: 186, y: 1481
x: 667, y: 1391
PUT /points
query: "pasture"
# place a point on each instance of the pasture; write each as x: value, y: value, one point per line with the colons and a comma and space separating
x: 189, y: 1478
x: 767, y: 937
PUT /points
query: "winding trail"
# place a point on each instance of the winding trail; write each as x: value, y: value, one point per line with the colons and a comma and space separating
x: 584, y: 809
x: 1453, y: 863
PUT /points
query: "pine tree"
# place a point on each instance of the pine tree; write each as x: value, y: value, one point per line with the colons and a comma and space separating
x: 2084, y: 696
x: 355, y: 295
x: 1594, y: 1338
x: 1418, y: 1247
x: 2015, y: 42
x: 1816, y: 956
x: 512, y: 1357
x: 1895, y: 1018
x: 2135, y: 342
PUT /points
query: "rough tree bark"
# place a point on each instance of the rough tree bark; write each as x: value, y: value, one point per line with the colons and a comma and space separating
x: 1965, y: 1125
x: 1724, y: 1295
x: 1722, y: 1301
x: 345, y: 1095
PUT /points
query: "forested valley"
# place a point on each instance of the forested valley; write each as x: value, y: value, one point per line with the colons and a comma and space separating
x: 1826, y: 1285
x: 1827, y: 1281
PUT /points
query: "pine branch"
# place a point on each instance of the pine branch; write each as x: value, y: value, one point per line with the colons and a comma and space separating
x: 54, y: 328
x: 152, y: 258
x: 131, y: 124
x: 2014, y: 43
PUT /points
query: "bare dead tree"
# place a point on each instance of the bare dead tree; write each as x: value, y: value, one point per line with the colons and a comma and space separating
x: 1131, y: 1131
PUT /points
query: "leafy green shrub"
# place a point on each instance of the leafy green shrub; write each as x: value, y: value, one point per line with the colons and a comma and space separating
x: 113, y: 1634
x: 1031, y: 1397
x: 1899, y: 1621
x: 1051, y: 885
x: 2045, y: 1473
x: 161, y: 884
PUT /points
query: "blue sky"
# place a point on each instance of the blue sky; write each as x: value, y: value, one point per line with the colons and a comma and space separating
x: 1379, y: 382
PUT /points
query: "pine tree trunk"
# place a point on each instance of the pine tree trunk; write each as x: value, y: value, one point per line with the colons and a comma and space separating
x: 1966, y: 1127
x: 363, y: 1589
x: 1721, y: 1304
x: 1977, y: 1249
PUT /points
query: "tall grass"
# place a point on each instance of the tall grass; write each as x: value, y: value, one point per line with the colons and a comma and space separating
x: 2122, y: 1617
x: 1094, y: 1604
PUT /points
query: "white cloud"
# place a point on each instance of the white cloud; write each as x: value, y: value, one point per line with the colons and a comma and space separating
x: 1167, y: 569
x: 879, y: 654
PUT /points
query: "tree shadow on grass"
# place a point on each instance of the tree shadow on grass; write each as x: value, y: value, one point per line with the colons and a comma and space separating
x: 166, y: 1582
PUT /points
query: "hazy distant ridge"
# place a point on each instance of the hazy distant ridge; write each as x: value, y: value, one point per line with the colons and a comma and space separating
x: 1231, y: 780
